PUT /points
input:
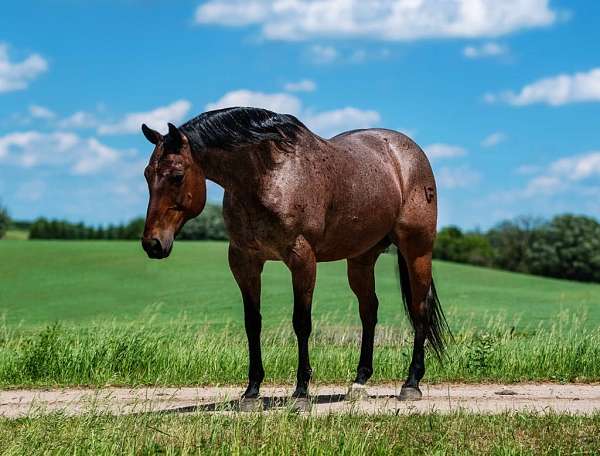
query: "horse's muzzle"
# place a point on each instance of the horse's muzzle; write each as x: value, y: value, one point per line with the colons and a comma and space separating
x: 155, y: 249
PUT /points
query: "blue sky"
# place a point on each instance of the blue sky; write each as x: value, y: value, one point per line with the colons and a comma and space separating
x: 504, y: 97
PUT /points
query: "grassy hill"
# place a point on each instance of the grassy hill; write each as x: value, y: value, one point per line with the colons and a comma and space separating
x: 77, y: 282
x: 16, y: 235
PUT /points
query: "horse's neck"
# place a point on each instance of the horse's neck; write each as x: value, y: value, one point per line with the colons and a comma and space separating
x: 240, y: 169
x: 231, y: 169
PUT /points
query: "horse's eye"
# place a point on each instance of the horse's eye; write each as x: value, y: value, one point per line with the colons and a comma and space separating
x: 177, y: 179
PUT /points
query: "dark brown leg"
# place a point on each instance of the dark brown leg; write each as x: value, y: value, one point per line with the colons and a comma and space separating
x: 419, y: 272
x: 302, y: 263
x: 361, y: 277
x: 247, y: 269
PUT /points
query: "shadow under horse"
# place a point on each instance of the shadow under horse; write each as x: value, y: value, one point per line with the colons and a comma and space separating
x: 295, y: 197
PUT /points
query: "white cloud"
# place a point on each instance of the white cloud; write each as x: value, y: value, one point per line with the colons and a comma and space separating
x: 577, y: 167
x: 305, y: 85
x: 555, y: 90
x: 363, y: 55
x: 439, y: 150
x: 41, y: 112
x: 96, y: 156
x: 278, y: 102
x: 527, y: 170
x: 393, y: 20
x: 457, y: 177
x: 330, y: 123
x: 157, y: 119
x: 490, y: 49
x: 325, y: 123
x: 232, y: 13
x: 323, y: 54
x: 326, y: 54
x: 545, y: 185
x: 451, y: 177
x: 494, y: 139
x: 82, y: 156
x: 18, y: 75
x: 79, y: 119
x: 564, y: 173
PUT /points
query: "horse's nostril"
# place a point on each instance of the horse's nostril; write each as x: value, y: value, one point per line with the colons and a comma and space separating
x: 152, y: 246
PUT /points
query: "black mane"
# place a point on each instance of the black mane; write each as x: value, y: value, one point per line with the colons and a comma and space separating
x: 234, y: 127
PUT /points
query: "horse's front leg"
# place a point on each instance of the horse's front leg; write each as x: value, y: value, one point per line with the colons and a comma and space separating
x: 302, y: 263
x: 246, y: 269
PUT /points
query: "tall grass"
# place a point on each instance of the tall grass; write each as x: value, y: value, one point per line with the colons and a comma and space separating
x: 182, y: 354
x: 286, y: 433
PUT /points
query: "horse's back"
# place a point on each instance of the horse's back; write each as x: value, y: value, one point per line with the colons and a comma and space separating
x: 382, y: 140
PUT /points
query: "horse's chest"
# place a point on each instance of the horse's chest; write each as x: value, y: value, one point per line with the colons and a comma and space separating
x: 261, y: 225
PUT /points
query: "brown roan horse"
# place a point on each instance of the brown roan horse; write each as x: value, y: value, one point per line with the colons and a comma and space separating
x: 295, y: 197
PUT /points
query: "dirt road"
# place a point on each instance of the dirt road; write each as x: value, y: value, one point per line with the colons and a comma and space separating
x: 442, y: 398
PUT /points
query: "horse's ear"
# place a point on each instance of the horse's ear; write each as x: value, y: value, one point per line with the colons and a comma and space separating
x: 175, y: 137
x: 151, y: 135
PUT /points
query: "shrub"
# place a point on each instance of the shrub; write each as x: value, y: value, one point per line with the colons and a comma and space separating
x: 454, y: 245
x: 511, y: 240
x: 567, y: 247
x: 208, y: 225
x: 4, y: 221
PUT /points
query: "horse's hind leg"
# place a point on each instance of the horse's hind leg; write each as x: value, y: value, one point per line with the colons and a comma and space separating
x: 361, y: 277
x: 414, y: 260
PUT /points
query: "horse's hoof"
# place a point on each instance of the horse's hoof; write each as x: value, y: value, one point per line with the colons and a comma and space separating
x: 356, y: 392
x: 251, y: 404
x: 300, y: 404
x: 410, y: 393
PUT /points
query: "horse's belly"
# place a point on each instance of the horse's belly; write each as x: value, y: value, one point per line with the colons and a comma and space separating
x: 352, y: 236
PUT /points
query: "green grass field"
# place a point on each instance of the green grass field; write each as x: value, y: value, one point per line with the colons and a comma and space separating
x: 179, y: 354
x: 123, y: 319
x: 286, y: 433
x: 81, y: 282
x: 101, y: 313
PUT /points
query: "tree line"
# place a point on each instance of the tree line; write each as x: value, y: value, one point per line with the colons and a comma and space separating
x: 208, y: 226
x: 567, y: 247
x: 43, y: 228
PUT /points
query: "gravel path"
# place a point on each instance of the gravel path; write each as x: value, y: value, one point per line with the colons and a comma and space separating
x: 442, y: 398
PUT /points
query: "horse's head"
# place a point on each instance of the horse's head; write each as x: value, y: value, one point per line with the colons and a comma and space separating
x: 177, y: 190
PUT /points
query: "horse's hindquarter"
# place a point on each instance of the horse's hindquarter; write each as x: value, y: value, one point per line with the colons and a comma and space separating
x: 365, y: 198
x: 387, y: 188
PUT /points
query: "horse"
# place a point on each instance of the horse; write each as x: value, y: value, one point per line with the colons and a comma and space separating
x: 292, y: 196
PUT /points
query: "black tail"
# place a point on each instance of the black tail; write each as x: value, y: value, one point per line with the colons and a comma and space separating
x: 437, y: 327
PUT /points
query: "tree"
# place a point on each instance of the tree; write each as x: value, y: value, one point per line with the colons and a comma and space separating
x: 568, y: 247
x: 208, y: 225
x: 477, y: 249
x: 4, y: 221
x: 39, y: 229
x: 134, y: 229
x: 447, y: 245
x: 511, y: 240
x: 454, y: 245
